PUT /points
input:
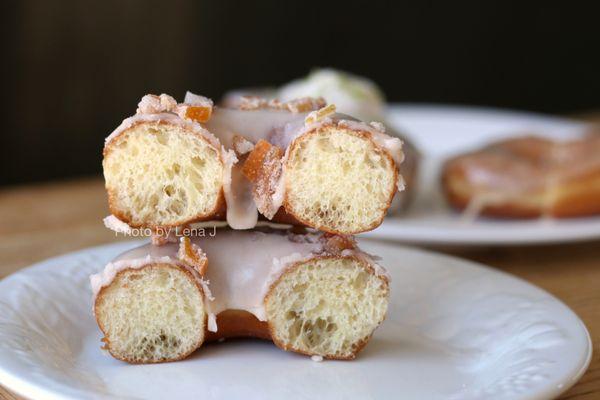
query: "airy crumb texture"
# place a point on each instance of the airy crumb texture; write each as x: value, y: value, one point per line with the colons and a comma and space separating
x: 339, y: 181
x: 327, y: 307
x: 152, y: 314
x: 158, y: 174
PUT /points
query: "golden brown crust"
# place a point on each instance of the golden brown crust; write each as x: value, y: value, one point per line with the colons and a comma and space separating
x: 359, y: 345
x: 572, y: 196
x: 460, y: 200
x: 106, y: 339
x: 284, y: 217
x: 359, y: 133
x: 238, y: 324
x: 578, y: 197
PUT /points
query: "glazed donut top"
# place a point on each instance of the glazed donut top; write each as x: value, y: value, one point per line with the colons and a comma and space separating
x: 242, y: 265
x: 276, y: 122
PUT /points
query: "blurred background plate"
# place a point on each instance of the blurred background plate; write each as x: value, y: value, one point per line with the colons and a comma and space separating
x: 442, y: 131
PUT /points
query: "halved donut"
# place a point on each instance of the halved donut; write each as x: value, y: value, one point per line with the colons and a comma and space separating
x: 162, y: 172
x: 152, y: 314
x: 338, y: 180
x: 326, y: 306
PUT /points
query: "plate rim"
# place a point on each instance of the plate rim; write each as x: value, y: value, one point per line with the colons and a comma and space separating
x: 418, y: 237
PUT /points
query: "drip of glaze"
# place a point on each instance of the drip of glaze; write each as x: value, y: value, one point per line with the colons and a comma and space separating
x: 241, y: 209
x: 277, y: 127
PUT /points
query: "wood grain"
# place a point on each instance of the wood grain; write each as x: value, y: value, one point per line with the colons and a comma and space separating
x: 41, y: 221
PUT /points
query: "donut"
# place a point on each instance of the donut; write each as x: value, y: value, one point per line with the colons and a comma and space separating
x: 311, y: 293
x: 526, y: 177
x: 162, y: 170
x: 174, y: 164
x: 150, y: 310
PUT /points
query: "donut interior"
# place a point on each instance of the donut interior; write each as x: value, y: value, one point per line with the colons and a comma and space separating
x: 338, y: 181
x: 160, y: 174
x: 327, y: 307
x: 152, y: 314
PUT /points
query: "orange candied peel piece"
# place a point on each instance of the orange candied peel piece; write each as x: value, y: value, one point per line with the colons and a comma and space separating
x: 263, y: 167
x: 195, y: 112
x: 192, y: 255
x: 198, y: 113
x: 260, y: 160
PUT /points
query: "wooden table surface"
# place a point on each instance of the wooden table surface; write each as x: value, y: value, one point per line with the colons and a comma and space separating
x: 44, y: 220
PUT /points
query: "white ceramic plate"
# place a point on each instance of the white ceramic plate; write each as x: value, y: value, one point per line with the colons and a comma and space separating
x: 455, y: 330
x: 440, y: 132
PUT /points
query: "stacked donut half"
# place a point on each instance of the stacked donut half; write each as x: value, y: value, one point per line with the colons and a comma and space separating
x: 287, y: 184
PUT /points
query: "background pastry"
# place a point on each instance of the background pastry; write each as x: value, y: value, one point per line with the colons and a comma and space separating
x: 527, y: 177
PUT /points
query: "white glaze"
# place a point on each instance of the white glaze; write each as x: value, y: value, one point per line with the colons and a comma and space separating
x: 116, y: 225
x: 275, y: 126
x: 242, y: 265
x: 197, y: 100
x: 153, y: 104
x: 241, y: 209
